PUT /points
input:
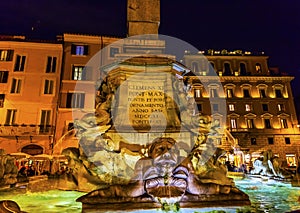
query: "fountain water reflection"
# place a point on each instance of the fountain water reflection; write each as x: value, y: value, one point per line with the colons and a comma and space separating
x: 270, y: 196
x: 52, y: 201
x: 265, y: 197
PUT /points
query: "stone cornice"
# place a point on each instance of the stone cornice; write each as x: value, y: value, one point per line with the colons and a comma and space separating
x: 243, y: 78
x: 225, y: 57
x: 94, y: 39
x: 256, y: 78
x: 25, y: 44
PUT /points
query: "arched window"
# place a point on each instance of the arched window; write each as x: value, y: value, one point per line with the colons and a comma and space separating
x: 32, y: 149
x: 227, y: 70
x: 243, y: 70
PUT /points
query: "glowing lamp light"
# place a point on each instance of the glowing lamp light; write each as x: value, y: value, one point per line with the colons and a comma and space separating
x: 243, y: 126
x: 276, y: 126
x: 239, y: 94
x: 259, y: 126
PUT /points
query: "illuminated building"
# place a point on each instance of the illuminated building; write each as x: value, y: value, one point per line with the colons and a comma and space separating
x: 29, y: 85
x: 260, y: 106
x: 77, y: 91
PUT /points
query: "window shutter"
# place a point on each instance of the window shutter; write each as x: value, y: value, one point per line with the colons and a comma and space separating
x: 5, y: 77
x: 13, y: 86
x: 73, y: 49
x: 23, y: 63
x: 86, y: 73
x: 8, y: 116
x: 17, y: 64
x: 10, y: 55
x: 69, y: 100
x: 54, y: 64
x: 48, y: 64
x: 46, y: 90
x: 86, y: 50
x: 82, y: 100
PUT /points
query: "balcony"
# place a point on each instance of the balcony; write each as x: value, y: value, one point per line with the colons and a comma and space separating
x: 23, y: 130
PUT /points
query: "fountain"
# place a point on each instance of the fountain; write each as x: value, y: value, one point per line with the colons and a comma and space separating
x: 147, y: 147
x: 268, y: 167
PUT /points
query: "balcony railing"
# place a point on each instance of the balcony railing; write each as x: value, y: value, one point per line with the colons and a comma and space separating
x: 13, y: 130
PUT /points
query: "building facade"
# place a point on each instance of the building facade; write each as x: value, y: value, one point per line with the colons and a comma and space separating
x: 260, y: 110
x: 29, y: 85
x: 44, y: 87
x: 80, y: 71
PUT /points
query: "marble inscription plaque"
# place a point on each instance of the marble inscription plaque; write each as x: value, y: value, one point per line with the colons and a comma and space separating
x: 146, y: 104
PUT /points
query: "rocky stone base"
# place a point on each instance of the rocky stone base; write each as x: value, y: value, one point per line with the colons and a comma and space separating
x: 99, y: 204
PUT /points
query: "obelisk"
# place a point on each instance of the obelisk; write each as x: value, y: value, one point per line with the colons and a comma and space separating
x: 143, y: 17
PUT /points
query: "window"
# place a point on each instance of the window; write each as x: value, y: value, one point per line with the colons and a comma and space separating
x: 211, y: 68
x: 248, y: 107
x: 270, y: 141
x: 70, y: 126
x: 16, y: 86
x: 213, y: 93
x: 231, y: 107
x: 113, y: 51
x: 48, y: 88
x: 229, y: 93
x: 6, y: 55
x: 227, y: 69
x: 267, y: 123
x: 246, y: 93
x: 243, y: 70
x: 258, y: 68
x: 45, y: 121
x: 253, y: 141
x: 233, y: 123
x: 262, y: 93
x: 2, y: 97
x: 75, y: 100
x: 51, y: 64
x: 3, y: 76
x: 291, y: 160
x: 79, y: 49
x: 10, y: 117
x: 287, y: 140
x: 280, y: 107
x: 20, y: 63
x: 250, y: 123
x: 283, y: 123
x: 197, y: 93
x: 215, y: 107
x: 278, y: 93
x: 265, y: 107
x: 79, y: 73
x: 199, y: 106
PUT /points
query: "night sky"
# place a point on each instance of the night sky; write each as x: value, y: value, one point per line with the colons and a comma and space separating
x: 272, y: 26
